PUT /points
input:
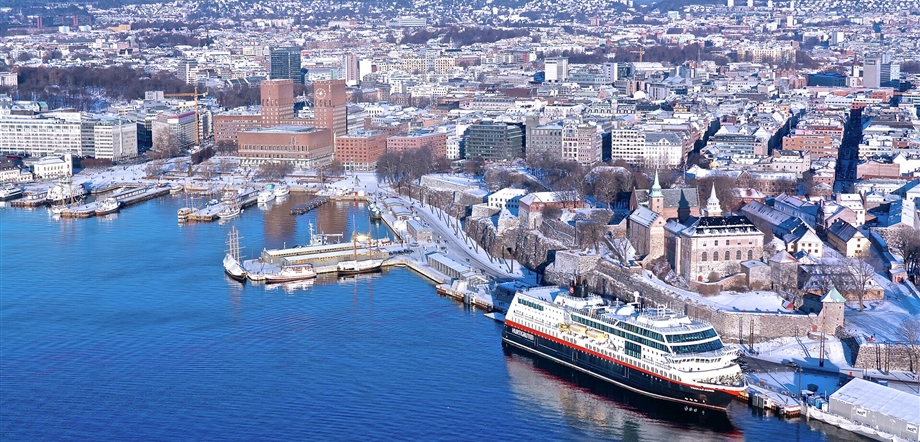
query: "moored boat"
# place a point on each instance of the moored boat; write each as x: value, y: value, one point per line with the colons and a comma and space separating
x: 291, y: 273
x: 281, y: 190
x: 107, y: 206
x: 10, y: 192
x: 232, y: 266
x: 374, y: 212
x: 267, y: 194
x: 176, y: 189
x: 355, y: 267
x: 66, y: 191
x: 184, y: 213
x: 654, y: 352
x: 230, y: 211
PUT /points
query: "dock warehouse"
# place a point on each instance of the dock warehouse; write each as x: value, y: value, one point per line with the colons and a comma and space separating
x: 881, y: 408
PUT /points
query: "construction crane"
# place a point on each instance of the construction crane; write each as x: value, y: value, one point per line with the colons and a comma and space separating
x: 641, y: 52
x: 195, y: 95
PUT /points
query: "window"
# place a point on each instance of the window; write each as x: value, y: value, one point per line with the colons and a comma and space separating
x: 750, y: 255
x: 717, y: 243
x: 738, y: 255
x: 705, y: 256
x: 727, y: 255
x: 715, y: 256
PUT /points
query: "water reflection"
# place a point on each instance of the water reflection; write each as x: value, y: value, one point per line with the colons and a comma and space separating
x: 588, y: 403
x: 290, y: 287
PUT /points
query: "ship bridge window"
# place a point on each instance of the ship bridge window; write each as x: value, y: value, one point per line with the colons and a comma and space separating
x: 698, y: 348
x: 690, y: 337
x: 530, y: 304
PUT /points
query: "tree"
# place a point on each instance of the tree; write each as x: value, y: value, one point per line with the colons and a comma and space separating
x: 909, y: 331
x: 154, y: 168
x: 165, y: 145
x: 857, y: 275
x: 905, y: 241
x: 225, y: 165
x: 336, y: 168
x: 274, y: 170
x: 474, y: 166
x: 224, y: 147
x: 607, y: 184
x: 497, y: 178
x: 591, y: 233
x: 24, y: 57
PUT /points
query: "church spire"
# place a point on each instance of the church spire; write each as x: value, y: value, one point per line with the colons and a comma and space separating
x: 713, y: 206
x: 656, y: 188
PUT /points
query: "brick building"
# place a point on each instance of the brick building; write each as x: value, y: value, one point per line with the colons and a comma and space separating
x: 277, y: 109
x: 304, y: 146
x: 360, y: 149
x: 437, y: 142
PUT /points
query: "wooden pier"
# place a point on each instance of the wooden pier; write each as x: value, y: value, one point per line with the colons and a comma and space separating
x: 209, y: 212
x: 309, y: 205
x: 127, y: 198
x: 31, y: 200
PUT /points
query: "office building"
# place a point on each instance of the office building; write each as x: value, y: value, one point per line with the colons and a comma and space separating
x: 285, y: 64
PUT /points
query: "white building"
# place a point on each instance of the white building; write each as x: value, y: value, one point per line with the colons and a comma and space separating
x: 506, y: 198
x: 556, y: 70
x: 53, y: 167
x: 115, y: 139
x: 39, y: 136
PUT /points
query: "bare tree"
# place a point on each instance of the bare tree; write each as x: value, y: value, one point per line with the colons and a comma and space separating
x: 154, y: 168
x: 857, y: 276
x: 165, y: 145
x: 225, y: 147
x: 909, y: 331
x: 274, y: 170
x: 620, y: 247
x: 591, y: 233
x: 905, y: 241
x: 225, y: 165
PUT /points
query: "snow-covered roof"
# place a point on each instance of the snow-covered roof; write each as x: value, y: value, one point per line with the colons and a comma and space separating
x: 885, y: 400
x: 643, y: 216
x: 833, y: 296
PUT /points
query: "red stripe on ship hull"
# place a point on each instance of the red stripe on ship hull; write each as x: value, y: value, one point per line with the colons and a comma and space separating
x: 616, y: 361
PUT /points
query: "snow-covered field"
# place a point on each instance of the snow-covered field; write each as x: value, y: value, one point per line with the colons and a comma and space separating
x: 806, y: 354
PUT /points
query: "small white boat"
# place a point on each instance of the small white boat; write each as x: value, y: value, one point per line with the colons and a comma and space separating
x: 176, y: 188
x: 281, y: 189
x: 291, y: 273
x: 355, y: 267
x: 267, y: 194
x: 107, y: 206
x: 230, y: 212
x: 10, y: 192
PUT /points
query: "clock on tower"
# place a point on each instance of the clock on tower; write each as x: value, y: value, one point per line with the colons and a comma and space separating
x: 321, y: 93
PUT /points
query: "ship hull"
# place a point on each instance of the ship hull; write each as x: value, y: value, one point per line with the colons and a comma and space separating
x: 8, y: 196
x: 622, y: 375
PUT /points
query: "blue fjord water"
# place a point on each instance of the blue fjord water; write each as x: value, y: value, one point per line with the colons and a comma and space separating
x: 125, y: 328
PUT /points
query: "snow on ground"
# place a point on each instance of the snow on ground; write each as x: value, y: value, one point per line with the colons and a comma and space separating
x: 459, y: 238
x: 881, y: 319
x: 366, y: 181
x: 805, y: 354
x: 757, y: 301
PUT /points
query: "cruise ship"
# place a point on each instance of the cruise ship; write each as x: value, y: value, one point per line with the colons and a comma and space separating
x: 653, y: 351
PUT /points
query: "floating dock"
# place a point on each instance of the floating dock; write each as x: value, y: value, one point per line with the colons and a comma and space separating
x: 309, y: 205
